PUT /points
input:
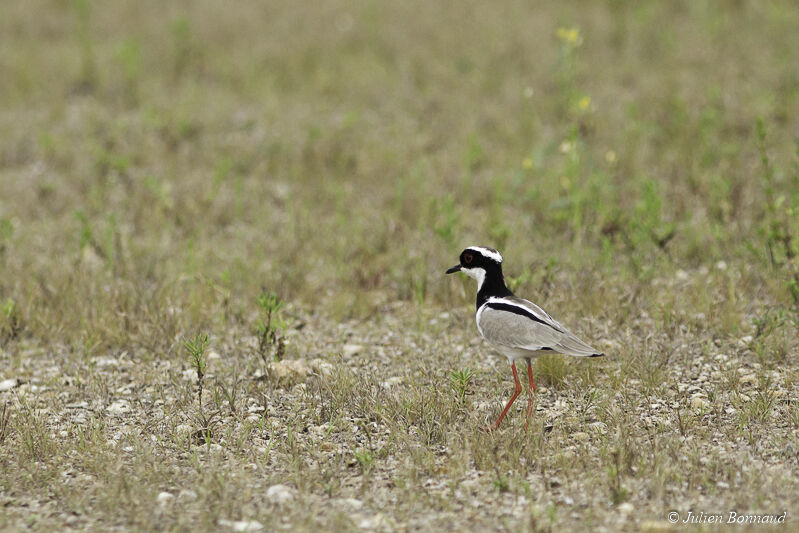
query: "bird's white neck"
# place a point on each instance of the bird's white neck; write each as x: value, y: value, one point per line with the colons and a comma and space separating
x: 477, y: 273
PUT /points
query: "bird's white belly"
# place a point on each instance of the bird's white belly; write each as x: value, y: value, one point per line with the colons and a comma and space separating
x: 514, y: 354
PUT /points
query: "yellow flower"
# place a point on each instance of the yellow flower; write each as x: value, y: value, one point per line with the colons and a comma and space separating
x: 584, y: 103
x: 570, y: 36
x: 610, y: 156
x: 527, y: 163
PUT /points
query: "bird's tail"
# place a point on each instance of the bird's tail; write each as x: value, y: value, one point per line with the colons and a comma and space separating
x: 571, y: 345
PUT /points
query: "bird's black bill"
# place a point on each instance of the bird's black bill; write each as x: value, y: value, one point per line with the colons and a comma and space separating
x: 454, y: 269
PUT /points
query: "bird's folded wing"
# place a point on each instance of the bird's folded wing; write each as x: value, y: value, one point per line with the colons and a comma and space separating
x: 521, y: 324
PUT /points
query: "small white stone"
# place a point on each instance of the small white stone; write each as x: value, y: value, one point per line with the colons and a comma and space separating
x: 352, y: 503
x: 164, y: 498
x: 91, y: 259
x: 8, y: 384
x: 242, y: 525
x: 749, y: 380
x: 105, y: 361
x: 322, y: 367
x: 187, y: 494
x: 279, y: 494
x: 391, y: 382
x: 580, y: 436
x: 485, y: 405
x: 288, y: 369
x: 626, y: 508
x: 349, y: 350
x: 213, y: 355
x: 699, y: 404
x: 376, y: 521
x: 119, y: 407
x: 601, y: 427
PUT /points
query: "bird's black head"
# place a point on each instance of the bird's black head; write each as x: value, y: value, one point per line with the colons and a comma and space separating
x: 479, y: 262
x: 484, y: 265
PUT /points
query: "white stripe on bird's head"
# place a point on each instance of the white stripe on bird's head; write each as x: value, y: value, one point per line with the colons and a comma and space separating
x: 486, y: 252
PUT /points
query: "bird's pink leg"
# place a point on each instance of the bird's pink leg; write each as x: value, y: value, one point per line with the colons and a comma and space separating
x: 516, y: 392
x: 530, y: 392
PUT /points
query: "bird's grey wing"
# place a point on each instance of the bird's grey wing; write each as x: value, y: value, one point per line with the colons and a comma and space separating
x: 507, y: 328
x: 519, y: 323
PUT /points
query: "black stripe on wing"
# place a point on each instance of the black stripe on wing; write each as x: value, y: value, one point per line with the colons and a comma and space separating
x: 500, y: 306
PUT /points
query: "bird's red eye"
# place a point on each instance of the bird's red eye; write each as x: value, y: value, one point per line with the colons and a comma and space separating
x: 467, y: 258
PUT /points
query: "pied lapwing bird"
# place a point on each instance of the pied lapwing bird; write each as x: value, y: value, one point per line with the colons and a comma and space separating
x: 516, y: 328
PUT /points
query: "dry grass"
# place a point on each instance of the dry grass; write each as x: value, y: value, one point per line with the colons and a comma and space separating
x: 167, y: 171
